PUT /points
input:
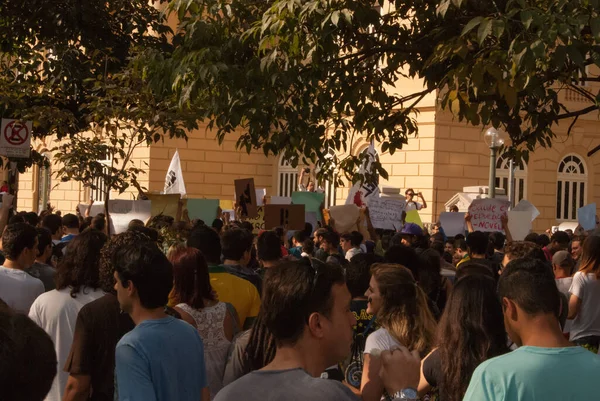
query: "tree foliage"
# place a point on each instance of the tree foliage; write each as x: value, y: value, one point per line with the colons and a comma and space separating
x: 301, y: 77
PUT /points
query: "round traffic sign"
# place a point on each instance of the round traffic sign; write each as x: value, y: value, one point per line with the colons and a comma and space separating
x: 16, y: 133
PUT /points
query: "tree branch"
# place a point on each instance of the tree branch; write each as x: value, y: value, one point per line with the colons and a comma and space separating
x: 578, y: 112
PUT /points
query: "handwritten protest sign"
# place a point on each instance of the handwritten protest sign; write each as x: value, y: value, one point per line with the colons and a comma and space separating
x: 203, y: 209
x: 345, y: 217
x: 587, y: 216
x: 486, y: 214
x: 452, y: 223
x: 386, y: 213
x: 121, y: 212
x: 289, y: 216
x: 245, y: 197
x: 312, y: 201
x: 258, y: 222
x: 165, y: 204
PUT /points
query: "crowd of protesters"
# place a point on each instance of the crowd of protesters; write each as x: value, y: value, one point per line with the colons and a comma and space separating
x: 190, y: 310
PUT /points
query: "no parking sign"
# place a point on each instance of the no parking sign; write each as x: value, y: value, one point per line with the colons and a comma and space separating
x: 15, y: 138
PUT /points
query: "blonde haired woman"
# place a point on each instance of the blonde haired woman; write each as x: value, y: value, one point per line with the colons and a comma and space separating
x: 403, y: 314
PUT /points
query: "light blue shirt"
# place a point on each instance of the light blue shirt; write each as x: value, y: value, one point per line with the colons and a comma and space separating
x: 537, y: 374
x: 161, y: 360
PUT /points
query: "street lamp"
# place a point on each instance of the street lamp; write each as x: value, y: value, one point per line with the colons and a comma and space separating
x: 494, y: 139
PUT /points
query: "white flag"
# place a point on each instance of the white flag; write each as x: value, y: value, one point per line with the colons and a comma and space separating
x: 361, y: 192
x: 174, y: 180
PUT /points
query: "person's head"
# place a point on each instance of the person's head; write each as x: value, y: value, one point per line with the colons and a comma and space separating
x: 358, y: 273
x: 236, y: 245
x: 299, y: 238
x: 590, y: 256
x: 351, y: 240
x: 108, y: 252
x: 79, y: 267
x: 559, y: 241
x: 403, y: 255
x: 449, y: 247
x: 471, y: 331
x: 330, y: 241
x: 460, y: 248
x: 191, y: 282
x: 454, y: 209
x: 268, y: 247
x: 562, y: 264
x: 521, y: 249
x: 70, y: 223
x: 31, y: 218
x: 411, y: 234
x: 497, y: 240
x: 29, y: 362
x: 44, y: 250
x: 308, y: 302
x: 472, y: 268
x: 19, y: 244
x: 143, y: 275
x: 542, y: 240
x: 135, y: 223
x: 53, y: 223
x: 477, y: 243
x: 318, y: 236
x: 147, y: 231
x: 576, y: 247
x: 18, y: 218
x: 527, y: 290
x: 435, y: 229
x: 217, y: 225
x: 401, y: 306
x: 208, y: 242
x: 99, y: 222
x: 531, y: 237
x: 409, y: 194
x: 311, y: 186
x: 428, y: 275
x: 308, y: 246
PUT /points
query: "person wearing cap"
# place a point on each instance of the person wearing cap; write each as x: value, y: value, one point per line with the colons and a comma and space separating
x: 412, y: 236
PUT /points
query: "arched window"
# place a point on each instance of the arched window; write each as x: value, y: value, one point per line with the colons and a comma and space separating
x: 571, y: 187
x: 288, y: 178
x: 502, y: 173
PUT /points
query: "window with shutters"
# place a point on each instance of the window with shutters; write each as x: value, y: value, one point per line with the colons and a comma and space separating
x: 502, y: 174
x: 571, y: 187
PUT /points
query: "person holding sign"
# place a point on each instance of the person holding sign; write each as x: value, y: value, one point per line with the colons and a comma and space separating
x: 310, y: 186
x: 411, y: 204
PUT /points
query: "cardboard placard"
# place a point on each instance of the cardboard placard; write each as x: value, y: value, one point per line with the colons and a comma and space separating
x: 245, y: 197
x: 289, y: 216
x: 453, y: 223
x: 345, y: 217
x: 519, y: 224
x: 526, y: 206
x: 486, y: 214
x: 280, y: 200
x: 121, y: 212
x: 165, y: 204
x: 258, y: 222
x: 311, y: 200
x: 386, y: 213
x: 203, y: 209
x: 586, y: 216
x: 413, y: 216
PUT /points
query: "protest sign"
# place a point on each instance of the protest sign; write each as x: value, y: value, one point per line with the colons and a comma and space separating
x: 312, y: 201
x: 526, y: 206
x: 452, y: 223
x: 165, y: 204
x: 486, y: 214
x: 260, y: 196
x: 386, y: 213
x: 361, y: 193
x: 121, y: 212
x: 519, y: 224
x: 203, y: 209
x: 345, y: 217
x: 311, y: 217
x: 258, y: 222
x: 413, y: 216
x: 280, y: 200
x: 587, y: 216
x: 288, y: 216
x: 245, y: 197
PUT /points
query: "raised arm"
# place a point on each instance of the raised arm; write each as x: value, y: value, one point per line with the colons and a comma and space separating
x: 423, y: 201
x: 469, y: 223
x: 504, y: 220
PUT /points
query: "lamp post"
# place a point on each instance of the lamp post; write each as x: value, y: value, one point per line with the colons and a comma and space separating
x: 494, y: 140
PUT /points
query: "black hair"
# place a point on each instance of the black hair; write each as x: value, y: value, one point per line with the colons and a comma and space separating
x: 497, y: 240
x: 207, y: 241
x: 44, y: 240
x: 429, y: 277
x: 460, y: 244
x: 147, y: 267
x: 531, y: 237
x: 405, y: 256
x: 31, y: 218
x: 355, y: 238
x: 332, y: 238
x: 542, y: 240
x: 261, y: 347
x: 70, y: 221
x: 561, y: 237
x: 268, y: 246
x: 147, y: 231
x: 235, y: 242
x: 308, y: 229
x: 292, y: 292
x: 300, y: 236
x: 477, y: 242
x: 217, y: 224
x: 52, y: 222
x: 16, y: 238
x: 135, y: 223
x: 246, y: 225
x: 438, y: 246
x: 308, y: 246
x: 471, y: 267
x: 459, y: 236
x: 29, y: 361
x: 530, y: 284
x: 17, y: 218
x: 99, y: 222
x: 358, y: 273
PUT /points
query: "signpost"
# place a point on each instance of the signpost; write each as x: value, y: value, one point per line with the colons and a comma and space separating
x: 15, y: 138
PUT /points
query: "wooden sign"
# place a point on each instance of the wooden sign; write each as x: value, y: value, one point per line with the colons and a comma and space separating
x: 290, y: 216
x: 245, y: 197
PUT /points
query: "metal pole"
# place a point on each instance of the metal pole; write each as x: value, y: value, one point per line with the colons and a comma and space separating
x: 511, y: 183
x: 492, y: 183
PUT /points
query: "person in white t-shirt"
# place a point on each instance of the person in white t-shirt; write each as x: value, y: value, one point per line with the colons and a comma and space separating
x: 402, y: 311
x: 562, y: 266
x: 351, y: 244
x: 310, y: 185
x: 410, y: 202
x: 585, y: 298
x: 77, y: 283
x: 17, y: 288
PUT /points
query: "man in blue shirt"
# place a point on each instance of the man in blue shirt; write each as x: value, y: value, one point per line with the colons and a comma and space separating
x: 162, y: 358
